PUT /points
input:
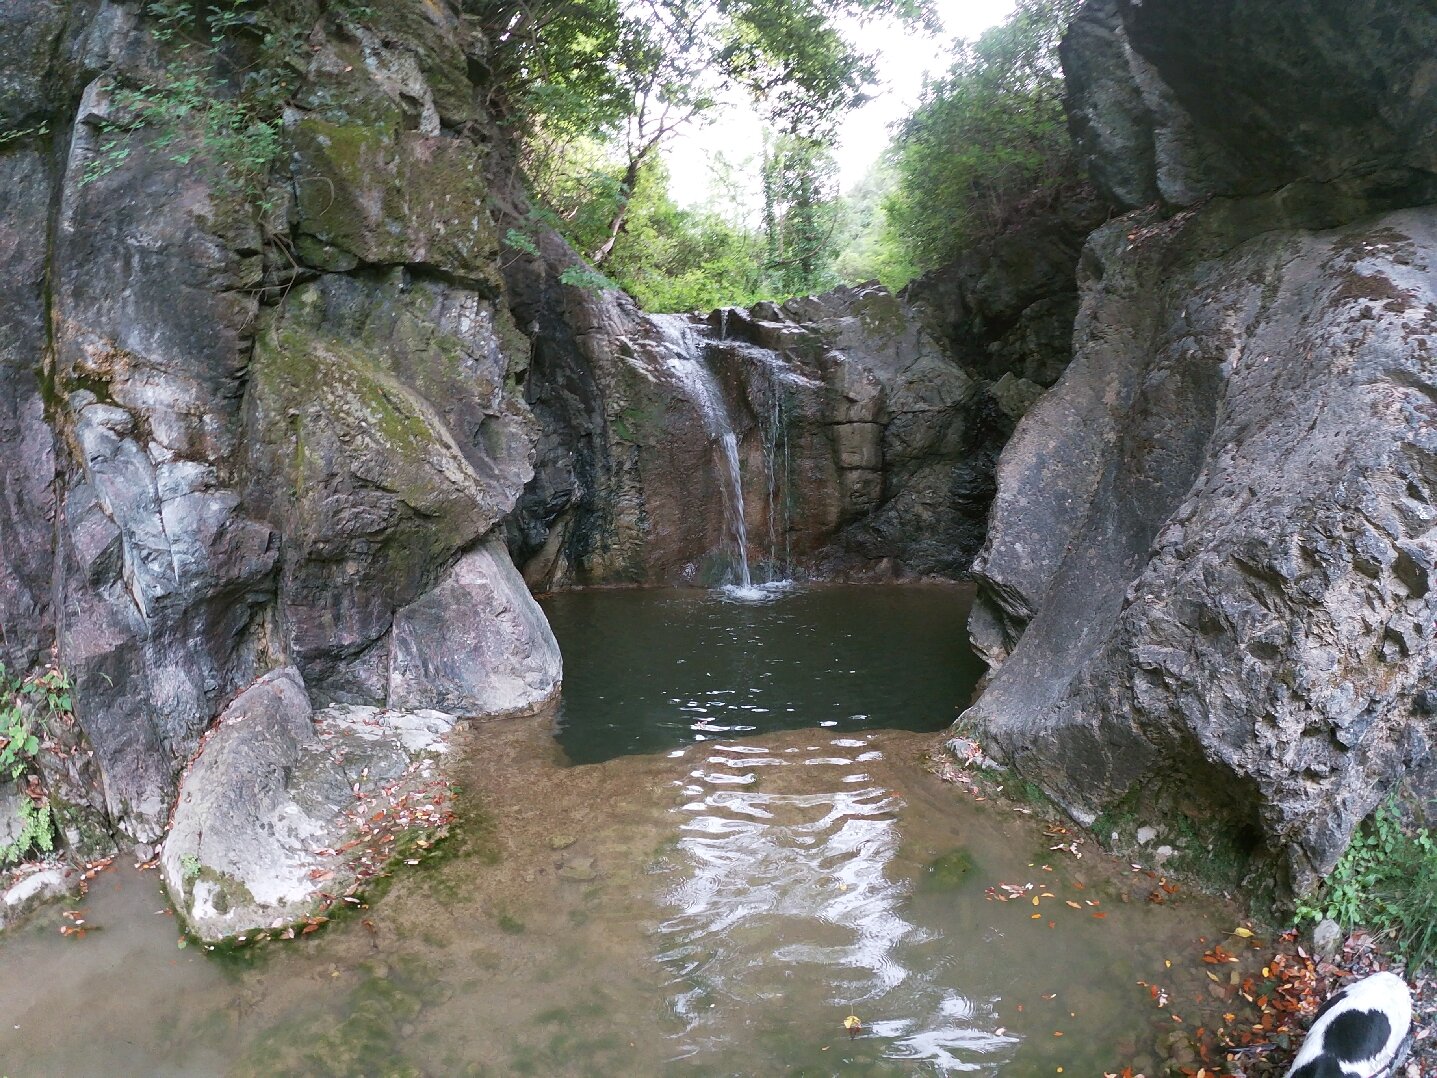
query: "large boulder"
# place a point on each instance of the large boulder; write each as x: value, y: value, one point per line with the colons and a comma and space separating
x: 383, y: 441
x: 1205, y: 590
x: 272, y: 826
x: 475, y: 644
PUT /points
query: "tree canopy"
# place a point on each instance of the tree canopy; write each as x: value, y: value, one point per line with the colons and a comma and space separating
x: 988, y: 141
x: 593, y: 89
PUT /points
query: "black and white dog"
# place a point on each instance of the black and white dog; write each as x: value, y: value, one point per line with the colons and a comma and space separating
x: 1361, y: 1032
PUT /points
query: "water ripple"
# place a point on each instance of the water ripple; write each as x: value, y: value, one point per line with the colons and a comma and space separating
x: 786, y: 886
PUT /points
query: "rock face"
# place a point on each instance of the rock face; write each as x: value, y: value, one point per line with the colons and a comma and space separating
x: 1206, y: 590
x: 1180, y: 100
x: 498, y: 655
x: 1006, y: 308
x: 253, y: 425
x: 862, y: 444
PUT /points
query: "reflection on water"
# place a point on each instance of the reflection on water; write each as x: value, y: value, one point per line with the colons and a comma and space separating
x: 790, y: 897
x: 646, y: 671
x: 715, y: 909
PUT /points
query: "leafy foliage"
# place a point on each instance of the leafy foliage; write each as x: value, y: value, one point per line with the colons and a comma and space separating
x: 868, y: 248
x: 204, y: 106
x: 598, y: 86
x: 520, y: 242
x: 584, y: 277
x: 586, y: 67
x: 800, y: 214
x: 673, y: 259
x: 988, y: 141
x: 35, y: 131
x: 1387, y: 881
x: 21, y: 702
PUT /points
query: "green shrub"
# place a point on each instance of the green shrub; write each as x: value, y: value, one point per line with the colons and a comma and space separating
x: 196, y: 106
x: 988, y: 144
x: 22, y: 702
x: 1387, y: 882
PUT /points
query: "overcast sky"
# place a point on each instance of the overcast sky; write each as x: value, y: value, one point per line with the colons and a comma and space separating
x: 905, y: 56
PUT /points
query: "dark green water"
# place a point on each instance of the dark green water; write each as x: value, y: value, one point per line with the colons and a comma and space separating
x: 650, y: 671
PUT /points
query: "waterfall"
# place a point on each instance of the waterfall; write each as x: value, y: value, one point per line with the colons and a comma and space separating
x: 683, y: 350
x: 769, y: 382
x: 734, y: 521
x: 776, y: 462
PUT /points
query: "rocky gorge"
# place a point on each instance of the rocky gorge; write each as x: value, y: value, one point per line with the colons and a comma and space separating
x: 282, y: 467
x: 273, y: 455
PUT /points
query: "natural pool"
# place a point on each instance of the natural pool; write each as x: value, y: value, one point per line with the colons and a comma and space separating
x: 649, y: 671
x: 679, y: 906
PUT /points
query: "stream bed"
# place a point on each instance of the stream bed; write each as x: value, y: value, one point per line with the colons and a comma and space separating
x: 723, y: 843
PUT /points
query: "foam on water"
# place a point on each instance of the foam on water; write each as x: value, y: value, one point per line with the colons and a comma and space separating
x: 757, y: 593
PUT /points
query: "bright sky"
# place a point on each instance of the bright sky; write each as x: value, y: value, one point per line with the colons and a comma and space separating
x: 904, y: 57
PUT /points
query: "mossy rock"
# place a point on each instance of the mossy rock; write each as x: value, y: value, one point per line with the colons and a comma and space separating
x: 392, y: 197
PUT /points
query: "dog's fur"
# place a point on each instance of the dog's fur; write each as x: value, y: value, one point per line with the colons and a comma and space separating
x: 1361, y: 1032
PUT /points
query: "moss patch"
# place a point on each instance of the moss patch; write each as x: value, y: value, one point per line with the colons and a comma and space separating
x: 947, y: 872
x: 364, y: 1036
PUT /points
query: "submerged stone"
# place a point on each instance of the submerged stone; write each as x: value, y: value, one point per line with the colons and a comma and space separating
x: 947, y: 871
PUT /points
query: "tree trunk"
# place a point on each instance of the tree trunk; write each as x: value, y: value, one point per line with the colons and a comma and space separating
x: 631, y: 177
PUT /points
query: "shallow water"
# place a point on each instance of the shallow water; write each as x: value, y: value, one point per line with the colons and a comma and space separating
x: 717, y: 908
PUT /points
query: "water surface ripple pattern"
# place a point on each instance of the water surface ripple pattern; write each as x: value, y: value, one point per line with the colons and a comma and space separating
x: 788, y: 896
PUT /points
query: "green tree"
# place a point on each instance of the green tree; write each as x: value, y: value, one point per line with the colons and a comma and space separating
x: 674, y: 259
x: 868, y: 246
x: 631, y: 73
x: 988, y: 141
x: 800, y: 211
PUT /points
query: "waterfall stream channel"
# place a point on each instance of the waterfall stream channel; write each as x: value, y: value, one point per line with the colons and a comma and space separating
x: 684, y: 349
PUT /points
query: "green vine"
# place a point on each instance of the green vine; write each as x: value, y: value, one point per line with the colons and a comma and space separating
x: 48, y: 694
x: 39, y: 130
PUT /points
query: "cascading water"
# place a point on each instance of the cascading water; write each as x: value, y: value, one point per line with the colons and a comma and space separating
x: 683, y: 349
x: 734, y: 521
x: 776, y: 462
x: 768, y: 383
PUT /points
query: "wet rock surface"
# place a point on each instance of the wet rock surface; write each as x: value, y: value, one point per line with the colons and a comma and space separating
x: 39, y: 883
x: 864, y: 443
x: 1205, y: 586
